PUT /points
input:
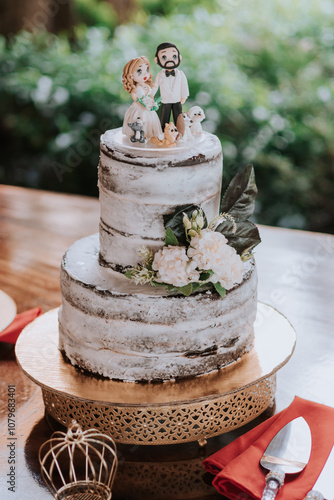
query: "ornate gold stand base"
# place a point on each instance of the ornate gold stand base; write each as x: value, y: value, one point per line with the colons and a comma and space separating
x: 167, y: 413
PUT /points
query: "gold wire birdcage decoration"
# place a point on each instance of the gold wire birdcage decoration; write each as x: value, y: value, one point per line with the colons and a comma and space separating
x: 79, y: 465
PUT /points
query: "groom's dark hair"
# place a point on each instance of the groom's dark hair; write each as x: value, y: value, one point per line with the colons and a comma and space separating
x: 166, y: 45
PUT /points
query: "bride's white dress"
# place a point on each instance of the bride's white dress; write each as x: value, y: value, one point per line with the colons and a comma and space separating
x: 151, y: 122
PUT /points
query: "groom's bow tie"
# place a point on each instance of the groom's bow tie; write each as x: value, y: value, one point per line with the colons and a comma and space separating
x: 170, y: 73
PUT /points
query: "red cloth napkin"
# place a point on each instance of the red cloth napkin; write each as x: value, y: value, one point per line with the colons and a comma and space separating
x: 237, y: 466
x: 11, y: 333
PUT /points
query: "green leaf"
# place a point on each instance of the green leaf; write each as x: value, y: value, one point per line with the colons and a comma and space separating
x: 157, y: 283
x: 196, y: 286
x: 246, y: 237
x: 170, y: 238
x: 205, y: 275
x: 130, y: 273
x: 186, y: 290
x: 220, y: 289
x: 204, y: 286
x: 240, y: 196
x: 226, y: 228
x: 174, y: 221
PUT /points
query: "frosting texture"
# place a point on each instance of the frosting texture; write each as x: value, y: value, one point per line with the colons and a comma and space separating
x: 114, y: 328
x: 138, y: 186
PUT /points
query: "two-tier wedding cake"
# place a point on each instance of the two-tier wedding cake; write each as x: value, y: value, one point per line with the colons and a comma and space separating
x: 167, y: 289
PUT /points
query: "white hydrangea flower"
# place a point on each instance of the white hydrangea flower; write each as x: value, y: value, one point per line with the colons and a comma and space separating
x: 210, y: 251
x: 174, y: 267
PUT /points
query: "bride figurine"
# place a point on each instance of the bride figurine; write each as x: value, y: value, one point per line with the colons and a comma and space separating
x: 141, y: 121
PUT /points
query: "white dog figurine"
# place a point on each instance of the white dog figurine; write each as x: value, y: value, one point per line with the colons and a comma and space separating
x: 183, y: 125
x: 197, y: 115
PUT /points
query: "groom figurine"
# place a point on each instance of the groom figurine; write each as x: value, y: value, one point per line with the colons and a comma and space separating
x: 172, y: 82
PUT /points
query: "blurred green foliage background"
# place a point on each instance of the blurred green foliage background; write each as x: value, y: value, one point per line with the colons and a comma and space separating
x: 263, y: 71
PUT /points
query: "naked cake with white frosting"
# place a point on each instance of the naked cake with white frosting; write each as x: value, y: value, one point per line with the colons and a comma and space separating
x: 167, y: 289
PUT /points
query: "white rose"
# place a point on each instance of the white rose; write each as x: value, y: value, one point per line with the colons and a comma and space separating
x: 174, y: 267
x: 210, y: 251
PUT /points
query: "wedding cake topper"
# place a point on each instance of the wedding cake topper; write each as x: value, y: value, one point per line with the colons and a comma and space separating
x: 171, y: 81
x: 141, y: 122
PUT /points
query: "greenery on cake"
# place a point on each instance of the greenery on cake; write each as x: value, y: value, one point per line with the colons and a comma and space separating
x: 197, y: 254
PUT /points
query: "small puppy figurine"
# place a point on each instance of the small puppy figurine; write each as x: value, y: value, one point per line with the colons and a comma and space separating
x: 138, y: 131
x: 197, y: 116
x: 183, y: 124
x: 170, y: 135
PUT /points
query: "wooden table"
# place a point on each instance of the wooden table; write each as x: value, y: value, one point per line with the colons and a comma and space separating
x: 296, y: 276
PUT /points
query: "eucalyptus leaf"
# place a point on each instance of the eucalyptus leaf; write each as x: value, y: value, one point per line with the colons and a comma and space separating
x: 240, y: 196
x: 220, y: 289
x: 170, y: 238
x: 174, y: 221
x: 246, y: 237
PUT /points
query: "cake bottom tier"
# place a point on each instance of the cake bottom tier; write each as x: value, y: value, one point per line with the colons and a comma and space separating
x: 111, y: 327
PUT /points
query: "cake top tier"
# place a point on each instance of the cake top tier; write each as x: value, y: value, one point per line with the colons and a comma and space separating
x: 140, y: 185
x: 141, y: 122
x: 116, y: 145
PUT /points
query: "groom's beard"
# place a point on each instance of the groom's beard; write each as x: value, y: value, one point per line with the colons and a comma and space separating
x: 169, y: 65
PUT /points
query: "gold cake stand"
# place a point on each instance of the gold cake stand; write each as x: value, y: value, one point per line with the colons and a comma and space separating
x: 165, y: 413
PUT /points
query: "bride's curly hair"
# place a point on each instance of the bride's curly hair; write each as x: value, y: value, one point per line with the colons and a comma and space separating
x: 128, y: 70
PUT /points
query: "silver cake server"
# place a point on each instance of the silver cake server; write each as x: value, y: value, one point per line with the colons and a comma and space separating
x: 287, y: 453
x: 323, y: 488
